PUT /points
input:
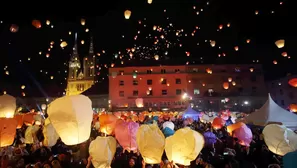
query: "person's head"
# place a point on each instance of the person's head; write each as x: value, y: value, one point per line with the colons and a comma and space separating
x: 131, y: 162
x: 46, y: 165
x: 38, y: 165
x: 56, y: 164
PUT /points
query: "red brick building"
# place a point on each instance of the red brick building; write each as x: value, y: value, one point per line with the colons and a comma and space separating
x: 206, y: 87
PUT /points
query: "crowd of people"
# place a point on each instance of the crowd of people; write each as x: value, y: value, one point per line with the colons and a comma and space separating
x: 225, y: 153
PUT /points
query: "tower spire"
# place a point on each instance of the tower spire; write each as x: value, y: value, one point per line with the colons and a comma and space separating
x: 91, y: 49
x: 75, y: 53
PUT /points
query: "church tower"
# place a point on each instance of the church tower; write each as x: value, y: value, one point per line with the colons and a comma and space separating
x: 78, y: 81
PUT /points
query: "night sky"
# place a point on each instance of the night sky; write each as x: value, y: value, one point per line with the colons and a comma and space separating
x: 183, y: 30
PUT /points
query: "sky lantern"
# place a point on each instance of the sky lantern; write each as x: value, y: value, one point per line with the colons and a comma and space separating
x: 139, y: 102
x: 218, y: 123
x: 63, y: 44
x: 248, y: 40
x: 233, y: 83
x: 293, y: 107
x: 274, y: 62
x: 156, y: 57
x: 125, y: 133
x: 244, y: 135
x: 7, y: 131
x: 82, y: 41
x: 30, y: 133
x: 102, y: 151
x: 14, y: 28
x: 50, y: 134
x: 221, y: 27
x: 280, y: 43
x: 251, y: 69
x: 48, y: 22
x: 188, y: 53
x: 209, y: 71
x: 83, y: 22
x: 180, y: 152
x: 293, y: 82
x: 236, y: 48
x: 28, y: 119
x: 231, y: 128
x: 284, y: 54
x: 19, y: 119
x: 127, y: 14
x: 149, y: 1
x: 151, y: 143
x: 36, y: 24
x: 226, y: 85
x: 279, y: 139
x: 107, y: 123
x: 23, y: 87
x: 229, y: 79
x: 213, y: 43
x: 71, y: 116
x: 7, y: 106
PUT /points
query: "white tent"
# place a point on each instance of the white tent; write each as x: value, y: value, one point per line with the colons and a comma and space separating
x: 190, y: 113
x: 270, y: 112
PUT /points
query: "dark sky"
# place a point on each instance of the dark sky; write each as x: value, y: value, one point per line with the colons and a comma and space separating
x: 107, y: 25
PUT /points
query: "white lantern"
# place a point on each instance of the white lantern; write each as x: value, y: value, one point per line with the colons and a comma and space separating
x: 7, y: 106
x: 102, y: 150
x: 30, y: 134
x: 139, y: 102
x: 72, y: 116
x: 168, y: 124
x: 279, y: 139
x: 149, y: 1
x: 50, y: 135
x: 184, y: 146
x: 213, y: 43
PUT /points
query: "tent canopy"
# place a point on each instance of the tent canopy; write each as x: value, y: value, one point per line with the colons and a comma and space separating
x: 189, y: 112
x: 270, y: 112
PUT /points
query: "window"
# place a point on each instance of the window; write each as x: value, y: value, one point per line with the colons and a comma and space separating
x: 178, y: 91
x: 80, y: 87
x: 177, y: 81
x: 121, y: 72
x: 135, y: 82
x: 281, y: 92
x: 164, y: 82
x: 196, y: 91
x: 164, y: 92
x: 149, y: 82
x: 149, y: 71
x: 177, y: 70
x: 121, y: 83
x: 121, y: 93
x: 135, y: 92
x: 163, y: 71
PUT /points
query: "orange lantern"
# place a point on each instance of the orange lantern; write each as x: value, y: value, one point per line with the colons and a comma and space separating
x: 19, y: 119
x: 209, y: 71
x: 107, y: 123
x: 235, y: 126
x: 236, y: 48
x: 218, y: 123
x: 36, y: 23
x: 284, y: 54
x: 7, y: 131
x: 293, y: 107
x: 127, y: 14
x: 230, y: 79
x: 293, y: 82
x: 29, y: 119
x: 139, y: 102
x: 226, y: 85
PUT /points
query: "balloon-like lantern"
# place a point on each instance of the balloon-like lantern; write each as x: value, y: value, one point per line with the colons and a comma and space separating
x: 14, y: 28
x: 293, y: 82
x: 184, y: 146
x: 63, y: 44
x: 71, y: 116
x: 218, y: 123
x: 7, y: 106
x: 50, y: 134
x: 139, y: 102
x: 149, y: 1
x: 213, y: 43
x: 226, y: 85
x: 7, y: 131
x: 125, y: 133
x: 280, y: 43
x: 36, y: 24
x: 107, y: 123
x: 127, y: 14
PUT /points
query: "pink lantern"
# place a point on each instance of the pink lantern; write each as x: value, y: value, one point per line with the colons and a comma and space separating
x: 125, y: 133
x: 139, y: 102
x: 244, y: 135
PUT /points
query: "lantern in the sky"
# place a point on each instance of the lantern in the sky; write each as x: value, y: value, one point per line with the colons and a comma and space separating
x: 209, y: 71
x: 71, y: 117
x: 63, y: 44
x: 139, y: 102
x: 7, y: 131
x: 184, y: 146
x: 293, y: 107
x: 125, y: 133
x: 284, y: 54
x: 230, y: 79
x: 36, y: 24
x: 293, y: 82
x: 151, y: 143
x: 248, y: 41
x: 149, y: 1
x: 156, y: 57
x: 279, y: 139
x: 213, y: 43
x: 102, y: 151
x: 280, y: 43
x: 50, y: 134
x: 48, y: 22
x: 82, y: 22
x: 218, y: 123
x: 14, y: 28
x: 236, y: 48
x: 127, y: 14
x: 226, y: 85
x: 7, y: 106
x: 107, y: 123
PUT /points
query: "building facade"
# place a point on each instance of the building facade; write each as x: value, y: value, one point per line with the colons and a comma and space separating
x: 205, y: 87
x: 282, y: 92
x: 81, y: 78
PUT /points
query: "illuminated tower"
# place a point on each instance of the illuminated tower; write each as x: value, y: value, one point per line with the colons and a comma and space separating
x: 74, y: 63
x: 89, y: 63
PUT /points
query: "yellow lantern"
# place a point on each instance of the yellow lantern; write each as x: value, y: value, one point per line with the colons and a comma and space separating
x: 30, y: 133
x: 236, y: 48
x: 233, y: 127
x: 50, y: 134
x: 280, y: 43
x: 139, y: 102
x: 127, y: 14
x: 8, y: 128
x: 7, y: 106
x: 82, y: 22
x: 233, y: 83
x: 209, y: 71
x: 151, y: 142
x: 184, y: 146
x: 23, y: 87
x: 226, y: 85
x: 213, y: 43
x: 63, y: 44
x: 71, y: 116
x: 157, y: 57
x: 102, y: 151
x: 149, y: 1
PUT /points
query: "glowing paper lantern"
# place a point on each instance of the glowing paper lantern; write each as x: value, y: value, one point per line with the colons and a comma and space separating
x: 149, y: 1
x: 19, y: 119
x: 244, y: 135
x: 139, y: 102
x: 218, y: 123
x: 102, y: 151
x: 14, y: 28
x: 280, y: 43
x: 71, y: 116
x: 127, y: 14
x: 107, y: 123
x: 125, y: 133
x: 50, y: 135
x: 184, y: 146
x: 279, y: 139
x: 293, y: 107
x: 235, y: 126
x: 156, y: 57
x: 82, y: 22
x: 151, y: 143
x: 293, y: 82
x: 36, y: 24
x: 30, y: 134
x: 168, y: 124
x: 7, y: 131
x: 63, y: 44
x: 29, y: 119
x: 213, y: 43
x: 226, y: 85
x: 7, y: 106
